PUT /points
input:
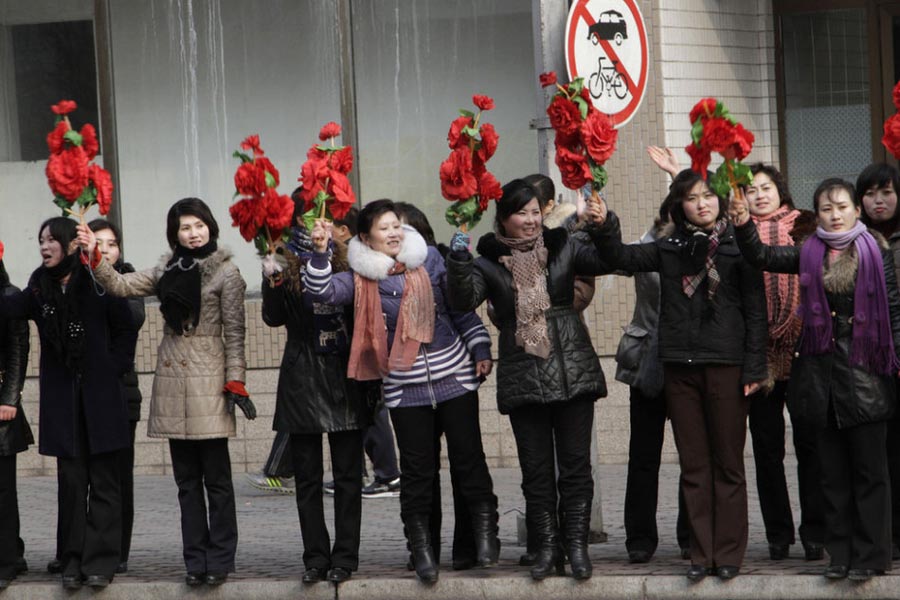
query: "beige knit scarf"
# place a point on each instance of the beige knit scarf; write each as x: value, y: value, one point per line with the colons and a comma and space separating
x: 528, y: 263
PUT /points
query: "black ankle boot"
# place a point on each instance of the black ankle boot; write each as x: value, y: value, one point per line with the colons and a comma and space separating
x: 484, y: 529
x: 548, y: 556
x: 421, y: 554
x: 578, y: 528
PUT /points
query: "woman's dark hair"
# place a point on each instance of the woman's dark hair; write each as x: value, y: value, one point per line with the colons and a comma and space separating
x: 878, y: 175
x: 101, y: 224
x: 350, y: 220
x: 832, y: 185
x: 778, y: 179
x: 194, y: 207
x: 62, y: 229
x: 681, y: 186
x: 371, y: 212
x: 543, y: 185
x: 516, y: 194
x: 416, y: 219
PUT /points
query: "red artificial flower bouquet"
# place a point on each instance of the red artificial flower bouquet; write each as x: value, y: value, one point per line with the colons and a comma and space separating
x: 891, y: 138
x: 465, y: 180
x: 326, y: 190
x: 262, y: 215
x: 71, y: 174
x: 585, y: 137
x: 713, y: 129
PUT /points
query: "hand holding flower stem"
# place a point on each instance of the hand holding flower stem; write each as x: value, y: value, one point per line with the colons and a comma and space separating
x: 321, y: 235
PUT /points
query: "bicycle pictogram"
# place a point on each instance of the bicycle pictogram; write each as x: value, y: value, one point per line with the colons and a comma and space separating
x: 608, y: 78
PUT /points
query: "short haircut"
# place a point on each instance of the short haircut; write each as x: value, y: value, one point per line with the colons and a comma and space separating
x: 101, y: 224
x: 194, y: 207
x: 349, y: 220
x: 832, y: 185
x: 681, y: 186
x: 516, y: 194
x: 371, y: 213
x: 778, y: 179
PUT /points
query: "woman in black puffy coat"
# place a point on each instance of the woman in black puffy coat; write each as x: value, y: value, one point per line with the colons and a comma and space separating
x: 549, y: 375
x: 15, y: 434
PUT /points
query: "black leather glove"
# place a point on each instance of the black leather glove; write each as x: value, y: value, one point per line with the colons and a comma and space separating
x: 243, y: 402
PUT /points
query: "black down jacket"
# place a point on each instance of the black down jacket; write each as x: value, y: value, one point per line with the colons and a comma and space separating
x: 314, y: 394
x: 728, y: 329
x: 817, y: 381
x: 15, y: 435
x: 572, y: 371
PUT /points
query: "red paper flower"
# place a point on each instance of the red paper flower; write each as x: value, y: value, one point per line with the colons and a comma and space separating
x: 455, y: 137
x: 599, y: 136
x: 718, y: 135
x: 483, y: 102
x: 573, y: 167
x: 250, y: 180
x: 330, y: 130
x: 488, y: 188
x: 743, y: 142
x: 64, y: 107
x: 89, y: 141
x: 700, y: 159
x: 457, y: 180
x: 251, y: 142
x: 279, y: 211
x: 248, y: 215
x: 266, y: 165
x: 67, y: 173
x: 548, y: 78
x: 312, y: 178
x: 705, y: 108
x: 55, y: 139
x: 102, y: 182
x: 564, y: 115
x: 342, y: 160
x: 489, y: 140
x: 339, y: 187
x: 891, y: 138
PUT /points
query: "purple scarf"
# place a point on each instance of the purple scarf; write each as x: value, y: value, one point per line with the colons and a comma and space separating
x: 872, y: 346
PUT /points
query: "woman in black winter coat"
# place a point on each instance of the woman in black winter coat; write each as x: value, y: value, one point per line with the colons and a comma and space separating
x: 87, y: 344
x: 109, y: 242
x: 549, y: 375
x: 15, y: 434
x: 315, y: 397
x: 712, y: 343
x: 843, y: 374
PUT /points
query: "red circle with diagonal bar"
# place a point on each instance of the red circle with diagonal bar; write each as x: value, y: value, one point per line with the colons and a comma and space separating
x: 606, y: 44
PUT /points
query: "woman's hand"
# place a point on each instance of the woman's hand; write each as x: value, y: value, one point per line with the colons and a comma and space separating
x: 752, y: 388
x: 321, y: 235
x: 483, y: 368
x: 739, y: 210
x: 7, y: 413
x: 596, y: 211
x: 86, y: 238
x: 665, y: 159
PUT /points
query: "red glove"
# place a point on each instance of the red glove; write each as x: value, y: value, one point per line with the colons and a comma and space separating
x: 237, y: 387
x: 94, y: 260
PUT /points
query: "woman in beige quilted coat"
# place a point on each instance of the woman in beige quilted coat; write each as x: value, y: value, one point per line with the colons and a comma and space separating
x: 199, y: 377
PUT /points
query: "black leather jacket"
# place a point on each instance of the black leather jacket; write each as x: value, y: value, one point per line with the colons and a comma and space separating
x: 572, y: 371
x: 728, y: 329
x: 15, y: 435
x: 828, y: 381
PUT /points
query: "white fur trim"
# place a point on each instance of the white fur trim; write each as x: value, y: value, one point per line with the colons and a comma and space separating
x: 372, y: 264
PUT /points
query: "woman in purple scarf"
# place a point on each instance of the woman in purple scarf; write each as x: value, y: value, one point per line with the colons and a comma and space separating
x: 842, y: 378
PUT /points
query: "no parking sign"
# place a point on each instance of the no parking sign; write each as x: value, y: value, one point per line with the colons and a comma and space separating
x: 606, y: 44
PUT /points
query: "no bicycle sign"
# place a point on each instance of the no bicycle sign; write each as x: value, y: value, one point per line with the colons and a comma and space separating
x: 606, y: 44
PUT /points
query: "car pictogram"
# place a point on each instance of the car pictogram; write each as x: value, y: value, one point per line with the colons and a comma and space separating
x: 610, y: 26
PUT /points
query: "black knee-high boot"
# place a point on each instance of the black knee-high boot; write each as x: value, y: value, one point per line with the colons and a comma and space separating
x: 548, y: 557
x: 485, y: 529
x: 577, y: 528
x: 418, y: 539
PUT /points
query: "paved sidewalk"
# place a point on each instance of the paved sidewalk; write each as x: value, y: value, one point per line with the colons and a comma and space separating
x: 269, y: 552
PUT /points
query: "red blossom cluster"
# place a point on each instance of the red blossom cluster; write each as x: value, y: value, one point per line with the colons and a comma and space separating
x: 326, y: 189
x: 891, y: 138
x: 72, y: 177
x: 585, y: 137
x: 713, y: 129
x: 262, y: 214
x: 465, y: 180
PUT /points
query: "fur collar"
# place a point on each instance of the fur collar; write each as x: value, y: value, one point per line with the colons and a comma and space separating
x: 372, y: 264
x: 840, y: 277
x: 492, y: 248
x: 560, y: 214
x: 208, y: 265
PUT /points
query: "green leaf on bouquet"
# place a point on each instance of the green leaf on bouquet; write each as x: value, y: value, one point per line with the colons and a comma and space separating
x: 73, y: 136
x: 262, y: 246
x: 464, y: 212
x: 244, y: 158
x: 576, y: 85
x: 472, y: 132
x: 600, y: 176
x: 88, y: 196
x: 582, y: 106
x: 63, y: 204
x: 697, y: 131
x: 466, y: 113
x: 742, y: 174
x: 719, y: 183
x: 270, y: 180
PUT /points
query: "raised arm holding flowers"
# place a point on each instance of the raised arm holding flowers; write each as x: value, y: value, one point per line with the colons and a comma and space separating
x: 326, y: 190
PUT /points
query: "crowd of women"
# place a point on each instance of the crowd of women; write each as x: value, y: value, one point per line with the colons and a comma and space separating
x: 743, y: 305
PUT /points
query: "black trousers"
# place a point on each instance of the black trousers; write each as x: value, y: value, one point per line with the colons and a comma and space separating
x: 91, y: 514
x: 415, y: 428
x: 809, y: 483
x: 11, y: 546
x: 346, y: 467
x: 856, y: 487
x: 893, y: 455
x: 554, y: 434
x: 279, y: 463
x: 463, y: 548
x: 209, y: 539
x: 378, y: 441
x: 648, y: 427
x: 126, y: 475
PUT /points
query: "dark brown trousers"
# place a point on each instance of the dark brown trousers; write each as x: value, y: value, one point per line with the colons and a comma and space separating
x: 709, y: 418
